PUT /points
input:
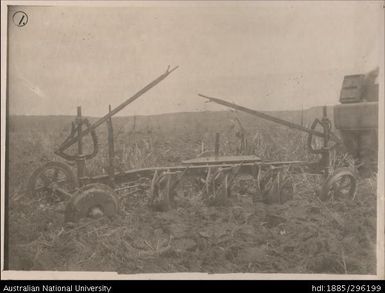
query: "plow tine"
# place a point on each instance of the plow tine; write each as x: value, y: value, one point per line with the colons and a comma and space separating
x: 154, y: 181
x: 207, y: 183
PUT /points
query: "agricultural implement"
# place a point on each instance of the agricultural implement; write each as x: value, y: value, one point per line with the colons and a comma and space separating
x: 212, y: 177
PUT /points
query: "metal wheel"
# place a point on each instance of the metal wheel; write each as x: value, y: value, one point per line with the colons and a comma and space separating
x: 92, y: 200
x: 340, y: 185
x: 48, y: 180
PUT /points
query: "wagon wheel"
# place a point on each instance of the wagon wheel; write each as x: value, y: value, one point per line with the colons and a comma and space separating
x: 48, y: 180
x: 341, y: 184
x: 92, y: 200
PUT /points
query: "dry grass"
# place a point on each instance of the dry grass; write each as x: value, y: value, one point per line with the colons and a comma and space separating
x: 300, y: 236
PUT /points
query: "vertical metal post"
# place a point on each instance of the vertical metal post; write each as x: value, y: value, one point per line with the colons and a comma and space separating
x: 80, y: 162
x: 326, y: 154
x: 325, y: 120
x: 111, y: 150
x: 216, y: 150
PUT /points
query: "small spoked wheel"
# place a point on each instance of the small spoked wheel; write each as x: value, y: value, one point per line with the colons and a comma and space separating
x: 342, y: 184
x: 53, y: 182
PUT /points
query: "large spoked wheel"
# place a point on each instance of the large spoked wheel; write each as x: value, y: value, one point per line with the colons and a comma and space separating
x: 50, y: 180
x: 93, y: 200
x: 340, y: 185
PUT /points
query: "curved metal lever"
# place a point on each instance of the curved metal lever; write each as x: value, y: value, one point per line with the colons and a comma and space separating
x: 74, y: 129
x: 327, y: 134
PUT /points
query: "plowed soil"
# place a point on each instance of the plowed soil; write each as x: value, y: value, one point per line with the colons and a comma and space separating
x: 303, y: 235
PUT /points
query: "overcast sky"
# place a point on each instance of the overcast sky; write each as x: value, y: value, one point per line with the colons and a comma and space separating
x: 268, y: 56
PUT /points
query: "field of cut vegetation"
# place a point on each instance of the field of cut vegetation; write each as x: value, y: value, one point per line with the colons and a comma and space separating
x: 303, y: 235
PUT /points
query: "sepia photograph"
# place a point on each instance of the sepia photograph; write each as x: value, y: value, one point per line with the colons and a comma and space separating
x: 215, y: 139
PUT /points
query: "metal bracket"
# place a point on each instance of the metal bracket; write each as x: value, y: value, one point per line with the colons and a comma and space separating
x: 75, y: 126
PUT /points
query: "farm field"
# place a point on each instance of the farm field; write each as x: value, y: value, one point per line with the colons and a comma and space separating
x: 303, y: 235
